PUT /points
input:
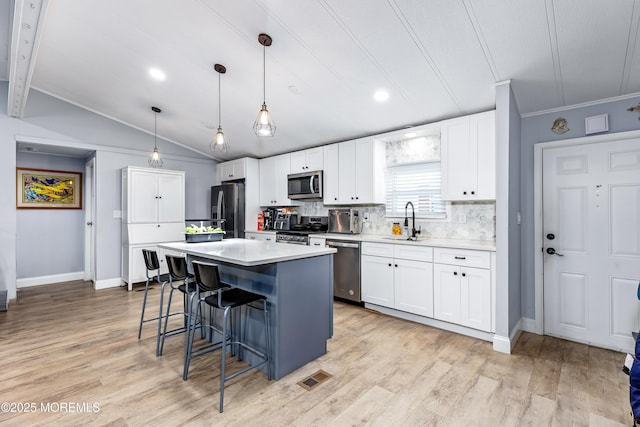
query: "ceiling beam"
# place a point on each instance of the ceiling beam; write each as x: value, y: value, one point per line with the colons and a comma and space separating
x: 28, y: 24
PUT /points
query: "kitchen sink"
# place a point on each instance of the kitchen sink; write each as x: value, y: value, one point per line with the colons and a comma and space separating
x: 398, y: 238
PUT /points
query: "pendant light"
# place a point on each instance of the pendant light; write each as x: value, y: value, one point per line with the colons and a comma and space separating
x: 154, y: 160
x: 264, y: 125
x: 219, y: 142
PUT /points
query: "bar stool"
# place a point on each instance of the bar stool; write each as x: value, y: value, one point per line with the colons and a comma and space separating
x: 178, y: 273
x: 152, y: 264
x: 226, y: 298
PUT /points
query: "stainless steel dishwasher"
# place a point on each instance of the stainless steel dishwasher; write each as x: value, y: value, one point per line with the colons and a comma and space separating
x: 346, y: 269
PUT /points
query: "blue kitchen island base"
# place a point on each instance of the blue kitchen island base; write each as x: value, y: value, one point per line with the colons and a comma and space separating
x: 300, y: 302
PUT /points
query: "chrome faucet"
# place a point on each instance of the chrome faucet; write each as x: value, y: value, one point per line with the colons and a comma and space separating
x: 413, y: 220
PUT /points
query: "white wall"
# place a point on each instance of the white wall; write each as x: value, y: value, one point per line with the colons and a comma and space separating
x: 40, y: 233
x: 51, y: 121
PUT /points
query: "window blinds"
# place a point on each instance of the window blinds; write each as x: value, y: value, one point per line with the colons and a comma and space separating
x: 416, y: 183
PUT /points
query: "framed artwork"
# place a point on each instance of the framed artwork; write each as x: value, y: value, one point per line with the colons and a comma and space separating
x: 48, y: 189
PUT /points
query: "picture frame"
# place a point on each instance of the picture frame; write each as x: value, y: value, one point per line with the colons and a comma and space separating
x: 48, y: 189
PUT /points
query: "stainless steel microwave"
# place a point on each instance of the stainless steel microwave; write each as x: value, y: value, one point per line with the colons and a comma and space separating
x: 305, y: 185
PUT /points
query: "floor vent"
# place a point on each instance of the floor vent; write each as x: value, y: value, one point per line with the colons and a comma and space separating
x: 314, y: 380
x: 3, y: 301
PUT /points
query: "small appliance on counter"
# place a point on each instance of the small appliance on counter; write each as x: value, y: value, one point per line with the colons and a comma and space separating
x: 284, y: 220
x: 345, y: 221
x: 268, y: 217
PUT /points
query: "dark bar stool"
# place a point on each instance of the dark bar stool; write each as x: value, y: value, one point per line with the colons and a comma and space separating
x: 152, y: 264
x: 226, y: 298
x: 178, y: 273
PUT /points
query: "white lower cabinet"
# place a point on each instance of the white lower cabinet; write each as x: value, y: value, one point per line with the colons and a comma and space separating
x: 398, y: 276
x: 462, y: 288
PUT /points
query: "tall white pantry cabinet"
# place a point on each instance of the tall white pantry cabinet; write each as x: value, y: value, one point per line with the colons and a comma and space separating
x: 152, y: 213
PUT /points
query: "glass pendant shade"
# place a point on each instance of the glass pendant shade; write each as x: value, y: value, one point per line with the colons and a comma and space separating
x: 154, y: 159
x: 264, y: 124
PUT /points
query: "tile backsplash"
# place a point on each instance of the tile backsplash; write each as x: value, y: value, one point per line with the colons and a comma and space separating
x: 468, y: 220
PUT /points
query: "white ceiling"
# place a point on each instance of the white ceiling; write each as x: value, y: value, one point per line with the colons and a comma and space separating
x: 437, y: 58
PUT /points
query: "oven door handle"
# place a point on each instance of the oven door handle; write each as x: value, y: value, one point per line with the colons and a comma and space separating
x: 343, y: 245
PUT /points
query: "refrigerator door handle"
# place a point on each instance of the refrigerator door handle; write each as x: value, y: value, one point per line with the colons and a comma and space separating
x: 220, y: 205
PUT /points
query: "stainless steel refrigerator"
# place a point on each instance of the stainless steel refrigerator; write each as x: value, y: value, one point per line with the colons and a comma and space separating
x: 227, y: 202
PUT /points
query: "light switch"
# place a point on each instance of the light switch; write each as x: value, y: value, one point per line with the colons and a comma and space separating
x: 117, y: 214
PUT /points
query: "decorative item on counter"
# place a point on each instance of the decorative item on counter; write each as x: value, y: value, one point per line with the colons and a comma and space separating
x: 636, y: 109
x: 396, y: 230
x: 196, y: 234
x: 260, y: 222
x: 560, y: 126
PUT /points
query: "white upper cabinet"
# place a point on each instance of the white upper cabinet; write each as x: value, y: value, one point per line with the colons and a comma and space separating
x: 330, y: 185
x: 360, y: 172
x: 468, y: 157
x: 232, y: 170
x: 307, y: 160
x: 273, y: 180
x: 152, y: 196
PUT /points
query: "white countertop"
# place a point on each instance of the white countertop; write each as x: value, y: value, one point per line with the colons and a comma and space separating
x: 248, y: 252
x: 483, y: 245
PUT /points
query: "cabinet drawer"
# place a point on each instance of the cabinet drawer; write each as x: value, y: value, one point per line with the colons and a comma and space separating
x: 462, y: 257
x: 152, y: 233
x: 415, y: 253
x: 376, y: 249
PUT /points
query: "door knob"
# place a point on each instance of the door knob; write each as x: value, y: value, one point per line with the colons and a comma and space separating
x: 552, y: 251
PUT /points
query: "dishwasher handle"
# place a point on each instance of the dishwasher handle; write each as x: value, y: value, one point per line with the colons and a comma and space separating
x: 342, y: 245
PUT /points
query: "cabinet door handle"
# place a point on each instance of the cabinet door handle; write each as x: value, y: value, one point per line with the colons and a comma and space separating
x: 389, y: 264
x: 460, y: 257
x: 455, y: 273
x: 464, y: 192
x: 395, y: 265
x: 464, y: 274
x: 473, y: 192
x: 335, y: 198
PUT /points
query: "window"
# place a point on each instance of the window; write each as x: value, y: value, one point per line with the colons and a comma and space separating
x: 417, y: 183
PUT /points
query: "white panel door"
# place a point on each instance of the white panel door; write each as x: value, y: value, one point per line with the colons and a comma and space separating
x: 591, y: 196
x: 171, y: 198
x: 446, y: 293
x: 377, y: 280
x: 413, y: 286
x: 143, y: 197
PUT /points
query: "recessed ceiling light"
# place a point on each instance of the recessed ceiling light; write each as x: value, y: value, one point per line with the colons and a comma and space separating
x: 410, y: 135
x: 157, y: 74
x: 381, y: 95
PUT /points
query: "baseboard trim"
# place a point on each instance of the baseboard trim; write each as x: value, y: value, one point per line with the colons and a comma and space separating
x: 529, y: 325
x: 505, y: 344
x: 108, y: 283
x: 463, y: 330
x: 46, y: 280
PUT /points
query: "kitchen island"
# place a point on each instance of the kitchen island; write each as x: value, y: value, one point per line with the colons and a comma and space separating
x: 298, y: 283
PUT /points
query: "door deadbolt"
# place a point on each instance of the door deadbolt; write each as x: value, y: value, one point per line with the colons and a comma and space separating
x: 551, y: 236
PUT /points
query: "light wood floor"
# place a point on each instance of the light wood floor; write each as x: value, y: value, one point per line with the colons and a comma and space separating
x: 68, y: 343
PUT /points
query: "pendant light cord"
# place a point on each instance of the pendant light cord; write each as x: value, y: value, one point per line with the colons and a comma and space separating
x: 219, y: 100
x: 264, y: 75
x: 155, y: 130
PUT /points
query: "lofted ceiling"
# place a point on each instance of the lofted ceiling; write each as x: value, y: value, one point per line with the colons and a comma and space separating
x: 436, y: 58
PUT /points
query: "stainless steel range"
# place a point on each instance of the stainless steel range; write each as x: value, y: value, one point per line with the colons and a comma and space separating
x: 299, y: 233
